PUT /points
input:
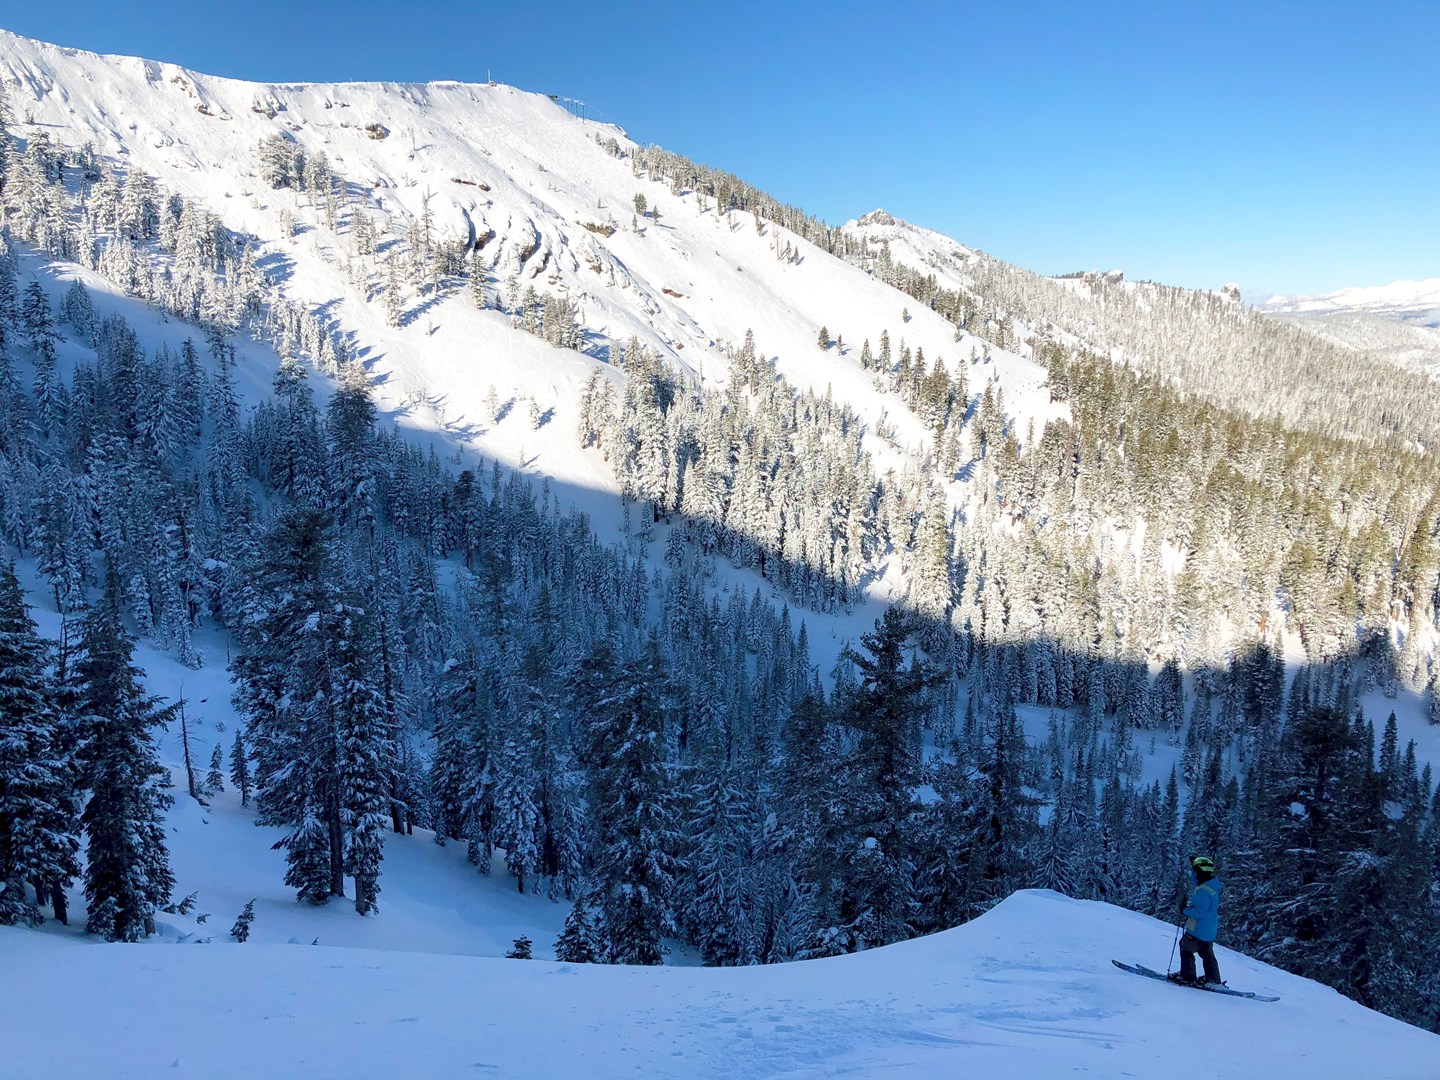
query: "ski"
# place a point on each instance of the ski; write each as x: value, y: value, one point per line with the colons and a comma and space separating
x: 1138, y: 969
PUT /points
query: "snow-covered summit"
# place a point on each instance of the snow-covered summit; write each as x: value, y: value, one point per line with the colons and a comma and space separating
x: 913, y: 245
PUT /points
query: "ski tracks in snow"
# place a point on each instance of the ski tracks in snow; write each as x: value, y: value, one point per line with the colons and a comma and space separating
x: 995, y: 1006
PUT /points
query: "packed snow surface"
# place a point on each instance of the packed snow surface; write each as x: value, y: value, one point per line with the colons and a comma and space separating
x: 1026, y: 990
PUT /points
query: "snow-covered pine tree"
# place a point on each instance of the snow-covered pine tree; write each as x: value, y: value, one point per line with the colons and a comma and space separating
x: 240, y: 767
x: 349, y: 422
x: 623, y: 706
x: 282, y: 677
x: 241, y: 930
x: 720, y: 859
x: 579, y: 941
x: 35, y: 315
x: 875, y: 854
x: 39, y: 816
x: 51, y: 399
x: 215, y: 777
x: 366, y: 752
x: 127, y: 872
x: 517, y: 816
x: 520, y: 950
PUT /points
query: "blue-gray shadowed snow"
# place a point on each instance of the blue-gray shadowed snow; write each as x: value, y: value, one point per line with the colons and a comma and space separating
x: 1025, y: 990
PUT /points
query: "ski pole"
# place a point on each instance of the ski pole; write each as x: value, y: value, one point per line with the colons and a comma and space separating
x: 1170, y: 966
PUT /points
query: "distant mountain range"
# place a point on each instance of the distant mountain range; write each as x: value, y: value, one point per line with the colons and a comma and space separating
x: 1399, y: 321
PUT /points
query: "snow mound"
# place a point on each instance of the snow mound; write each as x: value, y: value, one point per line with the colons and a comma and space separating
x: 1026, y: 990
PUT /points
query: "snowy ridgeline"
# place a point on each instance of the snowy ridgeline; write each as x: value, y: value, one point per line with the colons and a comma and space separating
x: 1207, y: 344
x: 1026, y: 990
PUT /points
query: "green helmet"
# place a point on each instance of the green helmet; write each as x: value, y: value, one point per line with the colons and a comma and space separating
x: 1203, y: 864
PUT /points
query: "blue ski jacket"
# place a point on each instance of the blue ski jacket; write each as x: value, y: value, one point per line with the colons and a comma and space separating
x: 1202, y: 913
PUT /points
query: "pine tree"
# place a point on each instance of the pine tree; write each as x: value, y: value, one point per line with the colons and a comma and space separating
x: 283, y: 681
x: 366, y: 754
x: 478, y: 292
x: 624, y: 706
x: 39, y: 817
x: 127, y: 873
x: 240, y: 768
x: 215, y: 778
x: 35, y: 315
x: 305, y: 682
x: 578, y: 942
x: 1010, y: 813
x: 518, y: 821
x: 241, y: 930
x: 350, y: 421
x: 721, y: 859
x: 1314, y: 821
x: 874, y: 847
x: 394, y: 296
x: 521, y: 949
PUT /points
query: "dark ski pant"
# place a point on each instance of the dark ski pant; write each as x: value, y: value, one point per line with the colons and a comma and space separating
x: 1189, y: 946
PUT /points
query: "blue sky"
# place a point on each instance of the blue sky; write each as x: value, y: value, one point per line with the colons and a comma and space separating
x: 1287, y: 146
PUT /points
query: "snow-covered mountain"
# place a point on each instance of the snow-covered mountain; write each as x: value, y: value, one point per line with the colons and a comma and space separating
x: 545, y: 203
x: 494, y: 266
x: 535, y: 192
x: 1399, y: 321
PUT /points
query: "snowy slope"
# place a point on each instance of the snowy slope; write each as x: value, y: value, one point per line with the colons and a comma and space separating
x: 432, y: 899
x: 499, y: 161
x: 519, y: 169
x: 1026, y: 990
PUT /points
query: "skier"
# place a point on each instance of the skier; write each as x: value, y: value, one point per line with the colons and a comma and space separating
x: 1202, y: 923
